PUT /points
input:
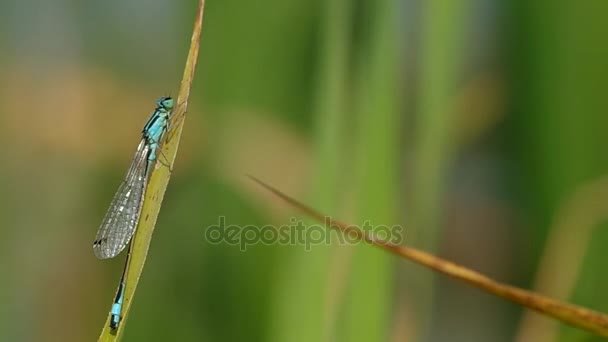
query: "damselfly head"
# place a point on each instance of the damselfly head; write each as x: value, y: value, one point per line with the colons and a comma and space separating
x: 165, y: 103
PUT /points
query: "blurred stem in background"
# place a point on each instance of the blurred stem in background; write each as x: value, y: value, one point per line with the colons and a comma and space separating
x: 377, y: 150
x: 441, y: 59
x: 340, y: 293
x: 302, y: 313
x: 558, y: 55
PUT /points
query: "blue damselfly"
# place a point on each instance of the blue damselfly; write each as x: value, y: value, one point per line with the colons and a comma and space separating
x: 122, y: 217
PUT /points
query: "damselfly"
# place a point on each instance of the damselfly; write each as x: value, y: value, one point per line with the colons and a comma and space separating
x: 121, y: 220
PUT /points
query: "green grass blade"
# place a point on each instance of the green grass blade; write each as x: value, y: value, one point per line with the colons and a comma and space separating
x: 441, y: 64
x: 377, y: 164
x: 302, y: 312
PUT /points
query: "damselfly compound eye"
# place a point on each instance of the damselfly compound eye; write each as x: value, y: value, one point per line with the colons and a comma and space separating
x: 166, y: 103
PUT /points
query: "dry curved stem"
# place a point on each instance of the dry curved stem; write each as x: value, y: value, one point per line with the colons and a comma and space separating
x: 157, y: 185
x: 560, y: 267
x: 573, y: 315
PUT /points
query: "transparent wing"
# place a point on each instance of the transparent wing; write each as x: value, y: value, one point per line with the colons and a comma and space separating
x: 121, y: 219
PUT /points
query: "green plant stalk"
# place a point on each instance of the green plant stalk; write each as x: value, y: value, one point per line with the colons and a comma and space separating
x: 440, y: 63
x: 303, y: 286
x: 558, y: 95
x: 159, y: 179
x: 441, y: 59
x: 377, y: 164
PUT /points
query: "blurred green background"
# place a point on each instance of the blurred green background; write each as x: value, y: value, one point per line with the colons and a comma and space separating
x: 477, y: 125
